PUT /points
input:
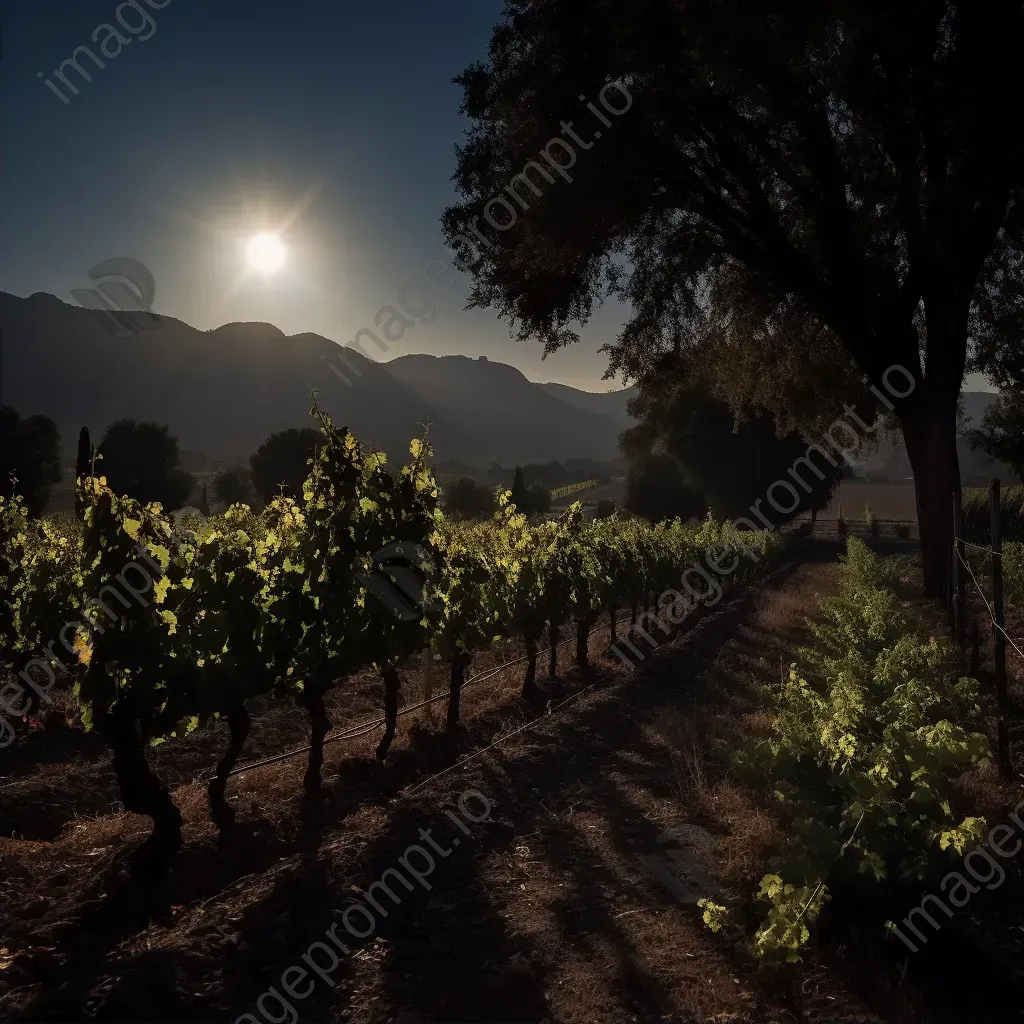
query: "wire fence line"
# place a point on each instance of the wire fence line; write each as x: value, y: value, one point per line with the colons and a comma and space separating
x: 995, y: 556
x: 981, y: 593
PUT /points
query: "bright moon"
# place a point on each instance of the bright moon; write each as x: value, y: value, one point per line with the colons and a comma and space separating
x: 265, y: 253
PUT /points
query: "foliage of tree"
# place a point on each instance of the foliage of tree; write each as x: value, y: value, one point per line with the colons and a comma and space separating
x: 30, y: 455
x: 233, y: 486
x: 1001, y: 434
x: 814, y: 194
x: 657, y: 489
x: 466, y: 499
x: 735, y: 465
x: 538, y: 500
x: 281, y: 463
x: 605, y: 509
x: 531, y: 500
x: 141, y: 460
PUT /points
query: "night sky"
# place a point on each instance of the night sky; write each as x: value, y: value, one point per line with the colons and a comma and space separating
x: 333, y: 123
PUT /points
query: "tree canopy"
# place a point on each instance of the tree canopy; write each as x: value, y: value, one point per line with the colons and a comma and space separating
x: 29, y: 458
x: 531, y: 501
x: 734, y: 466
x: 233, y: 486
x: 464, y: 498
x: 281, y: 463
x: 1001, y: 434
x: 656, y: 488
x: 805, y: 192
x: 142, y: 460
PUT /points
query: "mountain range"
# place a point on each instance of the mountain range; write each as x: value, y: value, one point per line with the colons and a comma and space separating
x: 222, y: 392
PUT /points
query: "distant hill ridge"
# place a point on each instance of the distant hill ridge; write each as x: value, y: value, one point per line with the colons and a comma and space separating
x: 223, y: 391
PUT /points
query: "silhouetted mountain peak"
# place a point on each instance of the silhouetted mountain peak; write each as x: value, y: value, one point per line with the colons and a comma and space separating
x: 224, y: 391
x: 256, y: 331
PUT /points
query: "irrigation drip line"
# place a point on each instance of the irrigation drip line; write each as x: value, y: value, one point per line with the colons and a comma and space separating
x: 362, y: 729
x: 550, y: 711
x: 501, y: 739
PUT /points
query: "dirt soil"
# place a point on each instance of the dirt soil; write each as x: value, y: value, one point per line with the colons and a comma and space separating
x: 541, y: 910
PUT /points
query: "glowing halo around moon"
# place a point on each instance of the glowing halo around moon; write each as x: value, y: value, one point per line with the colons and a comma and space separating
x: 265, y: 253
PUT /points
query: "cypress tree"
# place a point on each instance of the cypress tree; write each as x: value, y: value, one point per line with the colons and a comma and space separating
x: 83, y: 463
x: 520, y: 496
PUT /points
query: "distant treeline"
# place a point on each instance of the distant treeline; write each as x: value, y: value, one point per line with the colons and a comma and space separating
x: 550, y: 475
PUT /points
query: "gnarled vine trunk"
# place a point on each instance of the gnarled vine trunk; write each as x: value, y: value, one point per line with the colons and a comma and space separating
x: 222, y: 813
x: 142, y: 793
x: 392, y: 689
x: 459, y: 665
x: 313, y: 701
x: 530, y: 677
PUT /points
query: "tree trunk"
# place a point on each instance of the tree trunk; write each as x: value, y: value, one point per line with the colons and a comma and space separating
x: 313, y: 701
x: 930, y: 434
x: 553, y: 653
x: 530, y: 679
x: 612, y: 638
x: 221, y: 812
x: 460, y: 662
x: 632, y: 611
x: 143, y: 793
x: 392, y: 688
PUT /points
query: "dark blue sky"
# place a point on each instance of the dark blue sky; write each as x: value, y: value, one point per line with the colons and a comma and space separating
x: 333, y: 122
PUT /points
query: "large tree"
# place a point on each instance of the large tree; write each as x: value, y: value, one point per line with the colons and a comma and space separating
x: 657, y: 489
x: 29, y: 458
x: 1001, y: 434
x: 786, y: 178
x: 281, y: 463
x: 233, y: 486
x: 142, y: 460
x: 741, y: 469
x: 464, y: 498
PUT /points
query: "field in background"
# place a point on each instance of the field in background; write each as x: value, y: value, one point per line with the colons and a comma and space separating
x: 889, y: 502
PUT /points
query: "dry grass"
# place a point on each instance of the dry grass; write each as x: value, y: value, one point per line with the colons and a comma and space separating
x: 702, y: 736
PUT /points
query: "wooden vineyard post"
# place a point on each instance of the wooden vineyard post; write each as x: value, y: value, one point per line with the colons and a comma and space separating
x: 999, y: 626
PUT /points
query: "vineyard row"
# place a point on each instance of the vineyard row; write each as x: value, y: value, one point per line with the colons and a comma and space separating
x: 285, y: 603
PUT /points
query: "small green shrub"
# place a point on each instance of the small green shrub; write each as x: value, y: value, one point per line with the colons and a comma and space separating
x: 872, y: 728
